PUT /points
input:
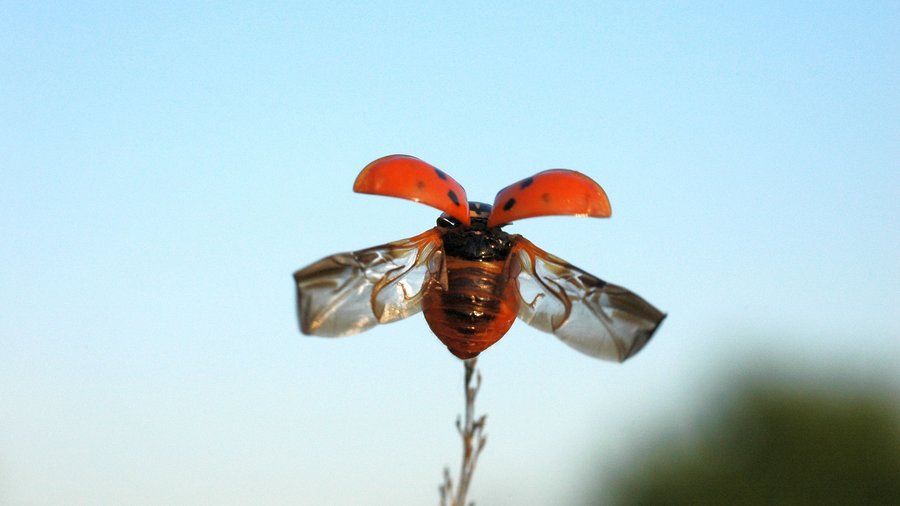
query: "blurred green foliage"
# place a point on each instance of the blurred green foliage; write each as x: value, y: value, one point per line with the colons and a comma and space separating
x: 775, y: 443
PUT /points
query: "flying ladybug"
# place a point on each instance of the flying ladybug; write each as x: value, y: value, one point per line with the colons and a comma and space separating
x: 470, y: 278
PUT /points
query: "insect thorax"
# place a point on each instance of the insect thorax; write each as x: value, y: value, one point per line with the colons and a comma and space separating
x: 475, y: 242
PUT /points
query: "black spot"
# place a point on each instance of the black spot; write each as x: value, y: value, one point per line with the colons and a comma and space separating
x: 526, y: 183
x: 420, y: 185
x: 546, y: 197
x: 440, y: 174
x: 452, y: 196
x: 509, y: 204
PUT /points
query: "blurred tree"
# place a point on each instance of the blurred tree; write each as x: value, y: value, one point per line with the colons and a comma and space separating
x: 776, y: 443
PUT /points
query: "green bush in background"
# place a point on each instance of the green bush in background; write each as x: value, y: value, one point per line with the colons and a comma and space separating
x: 775, y: 443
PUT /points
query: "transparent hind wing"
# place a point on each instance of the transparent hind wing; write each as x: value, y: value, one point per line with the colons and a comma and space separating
x: 348, y: 293
x: 594, y: 317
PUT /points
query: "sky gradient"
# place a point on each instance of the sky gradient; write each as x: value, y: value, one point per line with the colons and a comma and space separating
x: 164, y: 170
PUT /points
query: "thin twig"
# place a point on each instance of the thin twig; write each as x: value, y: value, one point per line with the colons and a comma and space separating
x: 473, y: 439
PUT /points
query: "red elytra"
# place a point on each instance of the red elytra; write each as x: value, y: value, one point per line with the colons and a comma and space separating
x: 548, y: 193
x: 469, y: 277
x: 407, y: 177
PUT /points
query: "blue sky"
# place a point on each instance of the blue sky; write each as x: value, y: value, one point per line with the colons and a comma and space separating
x: 166, y: 168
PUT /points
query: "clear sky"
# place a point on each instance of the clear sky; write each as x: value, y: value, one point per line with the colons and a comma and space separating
x: 164, y: 170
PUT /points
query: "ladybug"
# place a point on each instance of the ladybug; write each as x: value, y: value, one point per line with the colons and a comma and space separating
x: 469, y: 277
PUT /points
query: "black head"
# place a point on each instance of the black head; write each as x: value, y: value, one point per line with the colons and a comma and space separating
x: 477, y: 241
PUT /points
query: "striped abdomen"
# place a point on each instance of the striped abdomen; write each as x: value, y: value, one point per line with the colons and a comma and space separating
x: 475, y: 310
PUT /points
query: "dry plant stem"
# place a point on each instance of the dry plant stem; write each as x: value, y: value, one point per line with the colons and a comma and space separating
x: 472, y: 433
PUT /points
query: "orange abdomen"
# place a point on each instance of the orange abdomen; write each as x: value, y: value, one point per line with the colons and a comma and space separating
x: 475, y: 310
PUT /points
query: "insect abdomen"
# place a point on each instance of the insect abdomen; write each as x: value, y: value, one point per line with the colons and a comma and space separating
x: 476, y: 308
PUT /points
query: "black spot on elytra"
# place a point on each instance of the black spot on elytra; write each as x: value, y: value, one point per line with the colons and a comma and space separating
x: 420, y: 185
x: 546, y: 197
x: 526, y: 183
x: 440, y: 174
x: 509, y: 204
x: 453, y: 197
